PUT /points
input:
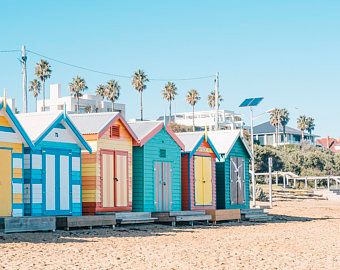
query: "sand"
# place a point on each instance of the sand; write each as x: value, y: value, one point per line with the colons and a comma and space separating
x: 303, y: 235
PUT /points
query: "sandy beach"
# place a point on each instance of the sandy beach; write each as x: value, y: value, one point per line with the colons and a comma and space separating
x: 302, y: 235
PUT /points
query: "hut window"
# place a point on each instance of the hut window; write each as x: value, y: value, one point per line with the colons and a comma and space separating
x: 114, y: 131
x: 162, y: 153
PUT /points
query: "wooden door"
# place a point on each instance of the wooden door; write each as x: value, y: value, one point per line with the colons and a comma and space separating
x: 237, y: 180
x: 163, y: 186
x: 207, y: 181
x: 57, y: 176
x: 199, y: 186
x: 121, y: 179
x: 107, y: 175
x: 5, y: 183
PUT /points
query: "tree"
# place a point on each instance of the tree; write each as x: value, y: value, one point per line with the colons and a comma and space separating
x: 35, y: 87
x: 112, y: 91
x: 211, y: 100
x: 43, y: 72
x: 77, y: 87
x: 169, y: 92
x: 302, y: 124
x: 284, y: 119
x: 101, y: 90
x: 310, y: 125
x: 275, y: 121
x: 139, y: 79
x: 192, y: 98
x: 88, y: 108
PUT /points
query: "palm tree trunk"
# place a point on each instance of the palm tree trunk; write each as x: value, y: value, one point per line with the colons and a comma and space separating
x: 36, y: 103
x: 141, y: 105
x: 302, y: 135
x: 113, y: 106
x: 77, y: 104
x: 193, y: 118
x: 43, y: 93
x: 170, y: 111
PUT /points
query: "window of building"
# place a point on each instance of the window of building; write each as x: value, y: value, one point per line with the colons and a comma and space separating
x: 114, y: 131
x: 60, y: 107
x: 261, y: 139
x: 270, y: 139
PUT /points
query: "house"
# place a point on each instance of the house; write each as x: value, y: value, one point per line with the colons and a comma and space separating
x: 232, y: 171
x: 198, y: 171
x: 87, y: 103
x: 107, y: 171
x: 156, y: 168
x: 332, y: 144
x: 264, y: 134
x: 13, y: 139
x: 53, y: 165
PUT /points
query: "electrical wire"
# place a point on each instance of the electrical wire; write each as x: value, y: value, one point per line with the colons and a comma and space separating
x: 9, y: 51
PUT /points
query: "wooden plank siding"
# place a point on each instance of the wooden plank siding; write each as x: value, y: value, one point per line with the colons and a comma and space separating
x: 12, y: 141
x: 144, y: 159
x: 92, y: 170
x: 223, y: 178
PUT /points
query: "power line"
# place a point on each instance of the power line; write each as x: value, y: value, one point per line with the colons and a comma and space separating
x: 117, y: 75
x: 9, y: 51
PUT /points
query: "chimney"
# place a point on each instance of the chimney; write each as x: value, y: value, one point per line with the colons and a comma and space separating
x: 55, y: 91
x: 328, y: 142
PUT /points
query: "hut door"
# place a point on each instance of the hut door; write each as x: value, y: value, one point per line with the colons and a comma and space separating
x: 163, y: 188
x: 203, y: 180
x: 57, y: 183
x: 237, y: 179
x: 108, y: 179
x: 121, y: 179
x: 5, y: 183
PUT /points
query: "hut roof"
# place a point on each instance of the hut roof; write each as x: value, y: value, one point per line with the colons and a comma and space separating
x: 145, y: 130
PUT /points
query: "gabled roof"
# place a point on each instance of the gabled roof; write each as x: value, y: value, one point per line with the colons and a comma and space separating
x: 145, y: 130
x: 266, y: 128
x: 38, y: 125
x: 97, y: 123
x: 16, y: 123
x: 224, y: 140
x: 192, y: 140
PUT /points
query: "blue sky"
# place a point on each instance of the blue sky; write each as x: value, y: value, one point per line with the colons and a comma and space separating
x: 286, y: 51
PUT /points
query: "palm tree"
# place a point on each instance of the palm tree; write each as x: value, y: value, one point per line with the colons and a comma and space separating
x: 112, y: 91
x: 211, y: 100
x: 284, y: 119
x: 43, y: 72
x: 275, y: 121
x: 139, y: 79
x: 310, y: 125
x: 169, y: 92
x: 302, y: 123
x: 35, y: 87
x: 77, y: 86
x: 192, y: 98
x: 101, y: 90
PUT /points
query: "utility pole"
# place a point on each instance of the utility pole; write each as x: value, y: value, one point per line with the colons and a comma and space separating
x: 24, y: 79
x: 270, y: 165
x: 216, y: 100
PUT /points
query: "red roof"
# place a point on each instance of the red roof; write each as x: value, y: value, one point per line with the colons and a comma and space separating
x: 330, y: 143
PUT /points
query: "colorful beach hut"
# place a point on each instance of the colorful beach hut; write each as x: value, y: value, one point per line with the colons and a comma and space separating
x: 198, y: 171
x: 13, y: 139
x: 232, y: 171
x: 53, y: 165
x: 107, y: 172
x: 156, y: 168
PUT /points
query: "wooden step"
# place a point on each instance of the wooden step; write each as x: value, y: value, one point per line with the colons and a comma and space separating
x: 27, y: 224
x: 67, y: 222
x: 187, y: 213
x: 134, y: 217
x: 224, y: 214
x: 137, y: 221
x: 194, y: 218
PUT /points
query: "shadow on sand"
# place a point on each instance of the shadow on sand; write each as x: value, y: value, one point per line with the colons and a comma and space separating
x: 94, y: 235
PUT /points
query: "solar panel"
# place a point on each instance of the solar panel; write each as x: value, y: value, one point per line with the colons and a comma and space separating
x: 251, y: 102
x: 246, y: 102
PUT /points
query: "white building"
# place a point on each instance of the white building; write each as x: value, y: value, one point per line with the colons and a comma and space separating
x: 228, y: 120
x: 87, y: 103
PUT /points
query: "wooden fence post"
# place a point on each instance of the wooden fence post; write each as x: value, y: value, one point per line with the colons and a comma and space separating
x: 328, y: 182
x: 284, y: 181
x: 306, y: 184
x: 277, y: 178
x: 270, y: 164
x: 294, y: 182
x: 315, y: 184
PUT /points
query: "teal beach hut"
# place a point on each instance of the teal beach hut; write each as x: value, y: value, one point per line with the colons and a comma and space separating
x: 232, y: 171
x: 156, y: 168
x: 52, y: 167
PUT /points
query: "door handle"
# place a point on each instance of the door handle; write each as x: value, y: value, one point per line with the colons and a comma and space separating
x: 164, y: 183
x: 116, y: 179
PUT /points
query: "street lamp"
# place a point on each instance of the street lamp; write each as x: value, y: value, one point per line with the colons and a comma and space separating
x: 250, y: 103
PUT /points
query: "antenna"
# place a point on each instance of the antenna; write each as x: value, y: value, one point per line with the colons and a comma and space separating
x: 24, y: 78
x: 216, y: 100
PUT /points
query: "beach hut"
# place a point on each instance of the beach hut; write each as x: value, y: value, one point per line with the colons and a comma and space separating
x: 107, y: 172
x: 232, y: 171
x: 13, y: 139
x: 53, y: 165
x: 156, y: 168
x: 198, y: 171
